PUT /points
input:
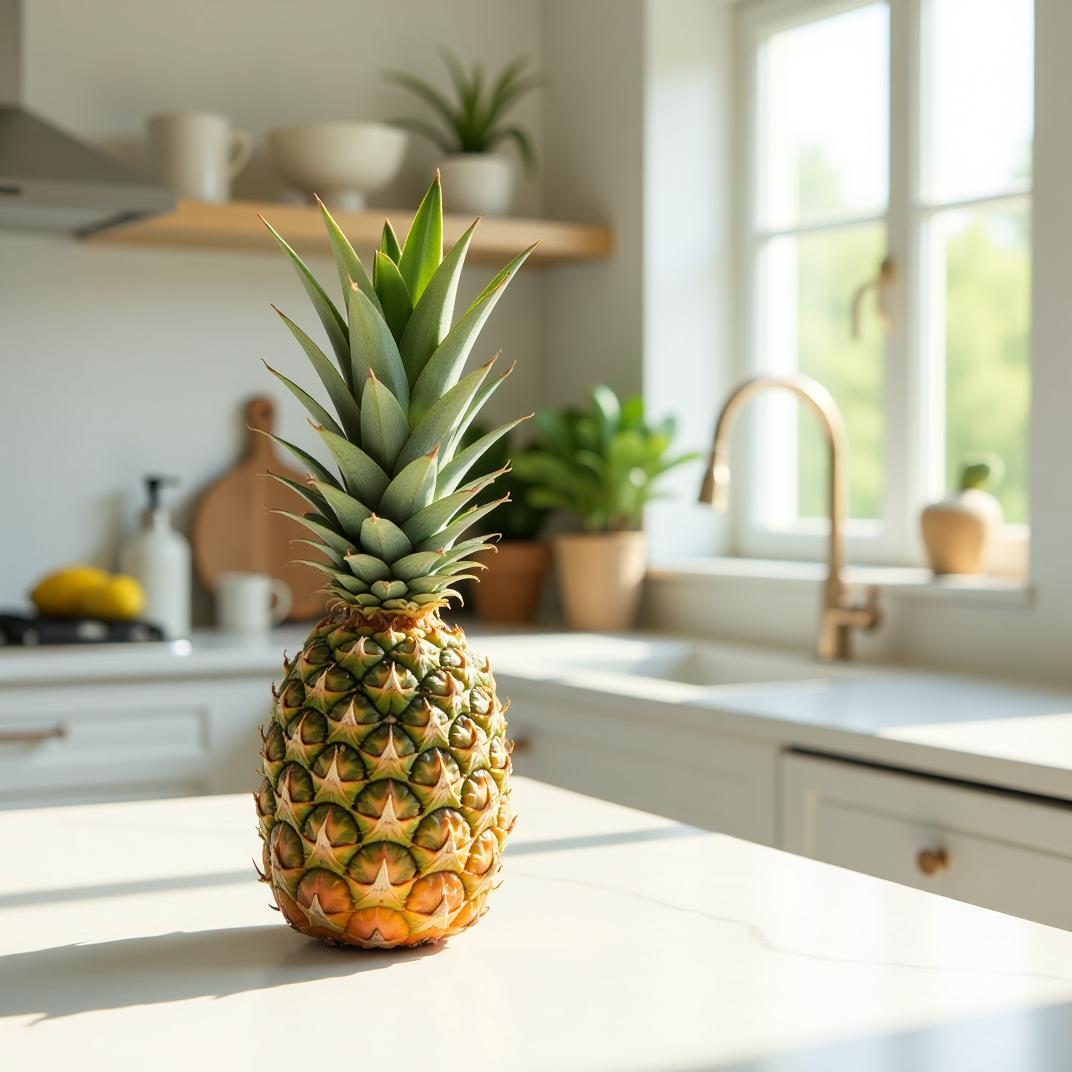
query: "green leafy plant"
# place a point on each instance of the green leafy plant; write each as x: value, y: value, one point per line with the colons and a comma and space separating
x: 517, y: 519
x: 981, y: 472
x: 474, y: 121
x: 601, y: 463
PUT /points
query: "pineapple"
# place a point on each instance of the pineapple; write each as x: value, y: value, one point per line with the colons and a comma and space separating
x: 385, y: 804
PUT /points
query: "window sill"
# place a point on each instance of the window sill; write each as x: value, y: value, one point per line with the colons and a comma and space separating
x: 896, y: 581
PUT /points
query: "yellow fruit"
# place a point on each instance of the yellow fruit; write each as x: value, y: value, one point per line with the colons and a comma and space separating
x: 117, y: 599
x: 60, y: 594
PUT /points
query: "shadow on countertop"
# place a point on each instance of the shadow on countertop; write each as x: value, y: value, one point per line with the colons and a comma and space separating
x: 71, y: 979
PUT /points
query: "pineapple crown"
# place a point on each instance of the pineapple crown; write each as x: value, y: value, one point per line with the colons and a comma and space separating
x: 390, y: 526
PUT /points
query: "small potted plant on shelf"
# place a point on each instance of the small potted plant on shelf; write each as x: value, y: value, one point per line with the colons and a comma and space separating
x: 509, y: 589
x: 602, y: 465
x: 957, y: 531
x: 470, y: 127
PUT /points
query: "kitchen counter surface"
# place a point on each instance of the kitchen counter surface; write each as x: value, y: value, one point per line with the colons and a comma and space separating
x: 206, y: 652
x: 1005, y: 734
x: 134, y: 935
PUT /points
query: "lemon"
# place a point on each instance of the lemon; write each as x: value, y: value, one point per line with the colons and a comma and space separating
x: 60, y: 594
x: 119, y: 598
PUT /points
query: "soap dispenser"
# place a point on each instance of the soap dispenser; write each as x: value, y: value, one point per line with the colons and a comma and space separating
x: 159, y: 558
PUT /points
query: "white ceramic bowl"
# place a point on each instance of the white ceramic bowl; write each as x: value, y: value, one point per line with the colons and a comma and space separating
x: 340, y: 162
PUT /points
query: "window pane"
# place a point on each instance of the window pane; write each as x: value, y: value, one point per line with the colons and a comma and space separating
x: 978, y: 95
x: 823, y: 122
x: 987, y: 327
x: 809, y: 285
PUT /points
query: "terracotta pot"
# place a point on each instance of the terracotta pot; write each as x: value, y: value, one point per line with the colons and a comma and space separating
x: 957, y: 531
x: 599, y: 578
x: 509, y: 589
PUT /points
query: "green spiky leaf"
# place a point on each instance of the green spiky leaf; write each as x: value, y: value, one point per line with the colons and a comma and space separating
x: 346, y: 508
x: 453, y: 473
x: 423, y: 250
x: 318, y: 525
x: 418, y: 564
x: 363, y: 478
x: 312, y: 407
x: 412, y: 489
x: 446, y: 537
x: 433, y: 314
x: 367, y: 567
x: 389, y: 242
x: 433, y: 517
x: 338, y: 389
x: 334, y: 324
x: 312, y: 466
x: 349, y: 582
x: 394, y: 297
x: 309, y: 492
x: 384, y: 539
x: 445, y: 365
x: 351, y: 270
x: 372, y: 346
x: 438, y: 424
x: 475, y: 406
x: 384, y: 427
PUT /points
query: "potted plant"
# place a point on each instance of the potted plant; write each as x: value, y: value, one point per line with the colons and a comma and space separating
x: 469, y: 128
x: 957, y: 531
x: 602, y: 464
x: 508, y: 592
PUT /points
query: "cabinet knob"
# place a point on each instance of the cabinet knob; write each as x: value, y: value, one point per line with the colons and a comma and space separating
x: 932, y: 861
x: 521, y: 744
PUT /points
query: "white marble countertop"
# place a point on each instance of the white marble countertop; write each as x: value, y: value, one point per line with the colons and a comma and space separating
x: 205, y: 652
x: 134, y: 935
x: 1005, y: 734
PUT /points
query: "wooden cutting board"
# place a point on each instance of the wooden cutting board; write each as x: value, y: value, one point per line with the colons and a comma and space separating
x: 234, y: 530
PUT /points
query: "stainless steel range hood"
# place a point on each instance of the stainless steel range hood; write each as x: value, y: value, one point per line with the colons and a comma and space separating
x: 50, y: 181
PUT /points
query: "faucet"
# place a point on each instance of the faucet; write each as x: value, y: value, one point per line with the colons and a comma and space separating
x: 838, y: 614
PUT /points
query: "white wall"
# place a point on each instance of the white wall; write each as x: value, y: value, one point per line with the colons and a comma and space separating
x: 594, y: 106
x: 116, y: 361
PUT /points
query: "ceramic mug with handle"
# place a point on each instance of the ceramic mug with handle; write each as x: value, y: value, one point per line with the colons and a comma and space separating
x: 250, y: 604
x: 198, y: 153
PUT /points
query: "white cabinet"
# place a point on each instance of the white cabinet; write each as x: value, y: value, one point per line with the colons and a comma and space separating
x: 995, y: 849
x: 628, y: 751
x: 82, y: 741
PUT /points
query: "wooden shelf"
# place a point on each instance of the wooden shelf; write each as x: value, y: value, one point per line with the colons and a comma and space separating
x: 235, y: 225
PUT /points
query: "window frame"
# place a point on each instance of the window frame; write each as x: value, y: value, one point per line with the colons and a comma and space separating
x: 914, y: 395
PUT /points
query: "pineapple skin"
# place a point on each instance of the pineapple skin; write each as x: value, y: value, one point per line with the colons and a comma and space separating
x: 385, y: 802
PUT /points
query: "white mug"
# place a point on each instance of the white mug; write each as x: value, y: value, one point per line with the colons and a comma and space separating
x: 249, y: 604
x: 198, y: 153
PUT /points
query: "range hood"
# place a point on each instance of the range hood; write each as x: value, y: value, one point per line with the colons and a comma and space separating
x: 50, y: 181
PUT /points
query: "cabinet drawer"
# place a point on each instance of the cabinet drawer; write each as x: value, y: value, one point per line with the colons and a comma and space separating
x: 62, y: 750
x: 992, y: 849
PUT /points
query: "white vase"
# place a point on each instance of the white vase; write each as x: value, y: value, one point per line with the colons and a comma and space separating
x: 481, y: 184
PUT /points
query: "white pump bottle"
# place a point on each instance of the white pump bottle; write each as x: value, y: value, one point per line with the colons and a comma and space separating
x: 158, y: 557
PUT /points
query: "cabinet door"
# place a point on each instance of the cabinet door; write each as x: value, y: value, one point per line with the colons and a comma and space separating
x: 624, y: 751
x: 988, y: 847
x: 87, y: 742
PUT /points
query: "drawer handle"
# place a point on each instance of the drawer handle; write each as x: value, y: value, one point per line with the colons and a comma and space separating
x: 932, y: 861
x: 521, y: 744
x: 30, y: 736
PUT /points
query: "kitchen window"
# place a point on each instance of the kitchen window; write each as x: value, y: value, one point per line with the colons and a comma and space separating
x: 885, y: 250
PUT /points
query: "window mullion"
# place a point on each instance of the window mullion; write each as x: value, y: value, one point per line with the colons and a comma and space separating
x: 909, y: 431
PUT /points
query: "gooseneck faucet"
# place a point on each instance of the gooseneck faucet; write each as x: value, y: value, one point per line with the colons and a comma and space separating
x: 838, y: 614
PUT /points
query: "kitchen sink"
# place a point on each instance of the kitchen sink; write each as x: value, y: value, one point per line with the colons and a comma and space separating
x: 572, y: 656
